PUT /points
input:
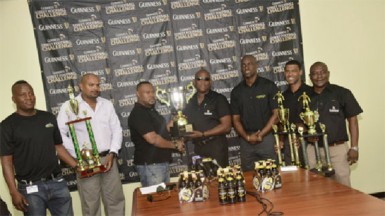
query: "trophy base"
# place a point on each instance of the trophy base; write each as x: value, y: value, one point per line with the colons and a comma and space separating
x: 181, y: 130
x: 92, y: 171
x: 325, y: 171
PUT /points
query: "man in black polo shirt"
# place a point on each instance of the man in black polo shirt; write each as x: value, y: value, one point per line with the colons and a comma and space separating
x: 293, y: 74
x: 254, y: 111
x: 152, y: 141
x: 210, y: 114
x: 335, y: 105
x: 29, y: 150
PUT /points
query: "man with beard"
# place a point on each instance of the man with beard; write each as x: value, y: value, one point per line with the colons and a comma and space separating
x: 149, y: 133
x: 254, y: 111
x: 108, y: 137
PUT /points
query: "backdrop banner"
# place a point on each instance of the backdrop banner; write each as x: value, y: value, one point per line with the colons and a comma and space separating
x: 164, y: 42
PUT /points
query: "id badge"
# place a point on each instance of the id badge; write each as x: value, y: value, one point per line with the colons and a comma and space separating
x: 32, y: 189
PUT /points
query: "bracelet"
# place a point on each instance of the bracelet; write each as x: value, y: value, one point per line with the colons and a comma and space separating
x: 355, y: 148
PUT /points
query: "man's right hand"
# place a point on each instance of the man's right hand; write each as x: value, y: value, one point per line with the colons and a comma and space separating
x: 180, y: 145
x: 19, y: 201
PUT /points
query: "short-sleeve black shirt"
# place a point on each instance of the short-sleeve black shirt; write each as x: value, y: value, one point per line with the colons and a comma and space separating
x: 205, y: 116
x: 335, y: 104
x: 255, y: 103
x: 141, y: 121
x: 31, y: 141
x: 291, y: 102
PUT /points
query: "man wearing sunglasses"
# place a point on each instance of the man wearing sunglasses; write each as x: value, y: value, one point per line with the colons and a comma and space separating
x: 209, y: 112
x: 254, y: 111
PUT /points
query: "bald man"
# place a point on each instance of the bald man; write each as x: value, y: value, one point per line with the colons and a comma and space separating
x: 108, y: 136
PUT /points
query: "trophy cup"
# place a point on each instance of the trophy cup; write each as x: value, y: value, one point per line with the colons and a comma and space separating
x: 88, y: 159
x: 178, y: 97
x: 308, y: 117
x: 283, y: 117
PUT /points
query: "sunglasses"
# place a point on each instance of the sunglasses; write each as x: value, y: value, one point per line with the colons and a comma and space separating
x: 161, y: 194
x: 202, y: 78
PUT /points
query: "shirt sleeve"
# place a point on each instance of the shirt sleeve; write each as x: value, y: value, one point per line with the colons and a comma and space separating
x: 62, y: 118
x: 117, y: 131
x: 6, y: 147
x: 141, y: 122
x: 223, y: 106
x: 351, y: 106
x: 234, y: 102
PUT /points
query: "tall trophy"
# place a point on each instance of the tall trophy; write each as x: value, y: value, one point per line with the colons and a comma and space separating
x: 283, y: 117
x: 88, y: 159
x: 177, y: 97
x: 310, y: 119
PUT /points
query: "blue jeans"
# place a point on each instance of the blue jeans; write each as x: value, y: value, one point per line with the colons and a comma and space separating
x: 152, y: 174
x: 51, y: 194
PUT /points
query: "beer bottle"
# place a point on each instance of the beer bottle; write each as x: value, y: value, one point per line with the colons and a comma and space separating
x: 277, y: 177
x: 241, y: 191
x: 231, y: 189
x: 222, y: 192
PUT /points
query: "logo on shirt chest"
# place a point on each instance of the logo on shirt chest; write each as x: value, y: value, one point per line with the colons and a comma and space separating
x: 260, y: 96
x: 334, y: 110
x: 208, y: 113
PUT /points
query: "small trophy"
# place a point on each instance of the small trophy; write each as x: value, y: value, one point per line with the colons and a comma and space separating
x: 88, y: 159
x: 178, y: 97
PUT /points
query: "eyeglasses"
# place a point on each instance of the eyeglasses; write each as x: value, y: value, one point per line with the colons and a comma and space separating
x: 202, y: 78
x: 161, y: 194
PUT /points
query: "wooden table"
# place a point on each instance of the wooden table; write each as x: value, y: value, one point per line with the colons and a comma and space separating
x: 302, y: 193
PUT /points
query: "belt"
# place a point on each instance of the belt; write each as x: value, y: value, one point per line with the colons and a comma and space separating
x: 104, y: 153
x: 337, y: 143
x: 47, y: 178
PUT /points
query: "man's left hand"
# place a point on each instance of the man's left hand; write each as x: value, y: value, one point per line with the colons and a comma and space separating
x: 352, y: 156
x: 109, y: 161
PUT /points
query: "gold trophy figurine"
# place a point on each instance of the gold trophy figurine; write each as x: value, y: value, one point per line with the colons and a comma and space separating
x: 309, y: 117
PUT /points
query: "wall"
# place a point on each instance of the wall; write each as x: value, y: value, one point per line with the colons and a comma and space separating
x: 347, y: 35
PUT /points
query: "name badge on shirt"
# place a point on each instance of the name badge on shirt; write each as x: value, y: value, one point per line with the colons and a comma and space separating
x: 260, y: 96
x: 32, y: 189
x: 208, y: 112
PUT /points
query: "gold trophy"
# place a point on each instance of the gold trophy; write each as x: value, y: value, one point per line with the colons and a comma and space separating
x: 309, y: 117
x: 88, y: 159
x: 177, y: 97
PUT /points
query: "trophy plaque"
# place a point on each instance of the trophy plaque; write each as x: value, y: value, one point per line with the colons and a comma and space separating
x: 177, y: 98
x: 88, y: 159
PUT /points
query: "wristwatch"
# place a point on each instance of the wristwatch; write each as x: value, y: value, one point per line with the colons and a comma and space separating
x: 355, y: 148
